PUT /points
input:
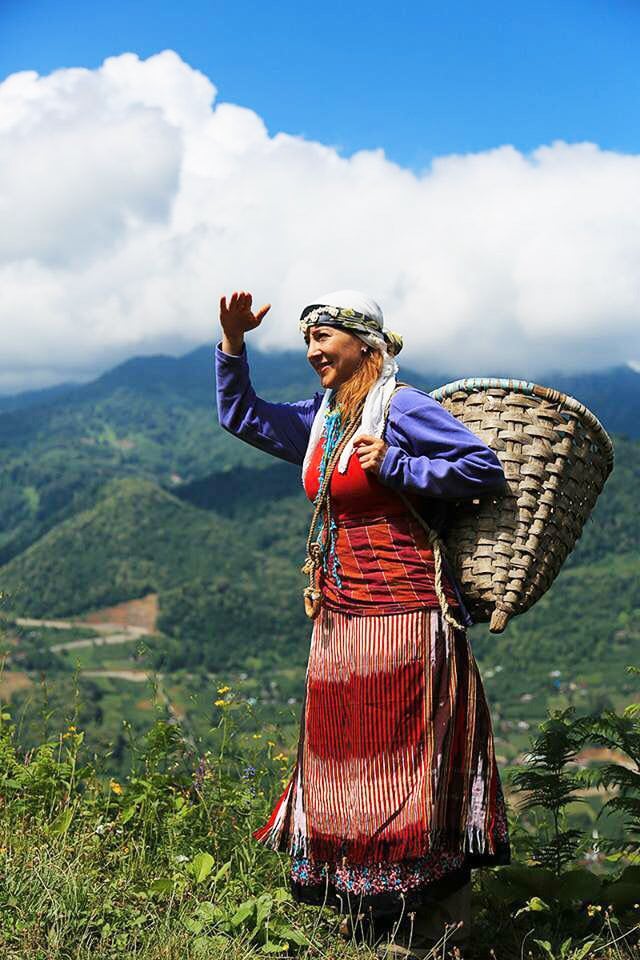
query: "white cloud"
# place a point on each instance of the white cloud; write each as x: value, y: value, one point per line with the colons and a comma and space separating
x: 130, y: 202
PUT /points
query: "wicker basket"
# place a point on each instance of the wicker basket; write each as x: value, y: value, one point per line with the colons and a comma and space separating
x: 507, y: 550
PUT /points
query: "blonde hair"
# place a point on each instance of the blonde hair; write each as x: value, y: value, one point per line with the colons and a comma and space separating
x: 351, y: 394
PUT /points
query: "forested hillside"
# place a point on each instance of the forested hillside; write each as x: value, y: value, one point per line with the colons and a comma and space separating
x: 127, y: 487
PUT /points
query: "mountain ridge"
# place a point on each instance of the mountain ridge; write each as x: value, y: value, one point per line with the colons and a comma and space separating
x: 191, y: 376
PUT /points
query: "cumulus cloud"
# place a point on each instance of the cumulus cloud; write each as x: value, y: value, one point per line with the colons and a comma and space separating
x: 131, y: 201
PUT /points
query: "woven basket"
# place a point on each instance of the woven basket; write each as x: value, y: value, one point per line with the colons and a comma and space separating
x: 506, y: 550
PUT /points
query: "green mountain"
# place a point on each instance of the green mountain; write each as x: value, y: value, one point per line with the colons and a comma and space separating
x: 127, y: 486
x: 155, y: 417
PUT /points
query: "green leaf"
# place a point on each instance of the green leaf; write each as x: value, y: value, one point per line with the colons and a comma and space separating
x: 202, y: 944
x: 280, y: 895
x: 244, y: 911
x: 288, y: 933
x: 193, y: 926
x: 127, y: 813
x: 546, y: 946
x: 161, y: 885
x: 274, y: 947
x: 62, y: 823
x: 535, y: 904
x: 201, y: 866
x: 209, y: 911
x: 584, y: 950
x: 224, y: 869
x: 264, y: 904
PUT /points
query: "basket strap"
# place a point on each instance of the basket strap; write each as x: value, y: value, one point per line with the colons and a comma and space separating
x: 434, y: 539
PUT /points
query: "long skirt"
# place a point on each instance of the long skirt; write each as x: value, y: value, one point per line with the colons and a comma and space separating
x: 395, y: 793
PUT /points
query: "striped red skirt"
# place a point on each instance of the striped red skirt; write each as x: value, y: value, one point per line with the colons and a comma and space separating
x: 395, y: 758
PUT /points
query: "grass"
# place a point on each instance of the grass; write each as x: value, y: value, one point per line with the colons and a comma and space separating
x: 161, y: 862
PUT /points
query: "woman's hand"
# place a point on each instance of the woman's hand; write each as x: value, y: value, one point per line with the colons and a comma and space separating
x: 371, y: 451
x: 237, y: 318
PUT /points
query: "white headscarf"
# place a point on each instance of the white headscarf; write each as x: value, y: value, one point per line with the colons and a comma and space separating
x: 372, y: 421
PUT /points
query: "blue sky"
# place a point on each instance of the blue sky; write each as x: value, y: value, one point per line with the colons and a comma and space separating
x: 419, y: 79
x: 498, y: 226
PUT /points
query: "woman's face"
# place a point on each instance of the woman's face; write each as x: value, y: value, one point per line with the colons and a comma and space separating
x: 334, y: 354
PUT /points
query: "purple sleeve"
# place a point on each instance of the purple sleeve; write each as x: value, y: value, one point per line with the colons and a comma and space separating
x: 433, y: 454
x: 281, y: 429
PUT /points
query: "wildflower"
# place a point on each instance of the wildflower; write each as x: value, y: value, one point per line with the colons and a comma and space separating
x: 257, y: 736
x: 115, y: 786
x: 593, y: 908
x: 271, y: 743
x: 248, y: 772
x: 224, y: 689
x: 281, y: 756
x: 221, y: 703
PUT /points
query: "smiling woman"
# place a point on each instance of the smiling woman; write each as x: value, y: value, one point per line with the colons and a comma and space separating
x: 335, y: 355
x: 395, y: 793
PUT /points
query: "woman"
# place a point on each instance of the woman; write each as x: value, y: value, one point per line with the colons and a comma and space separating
x: 395, y: 794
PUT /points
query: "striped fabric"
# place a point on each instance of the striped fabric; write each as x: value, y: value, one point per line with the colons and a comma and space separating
x: 386, y: 566
x: 395, y: 757
x: 385, y: 561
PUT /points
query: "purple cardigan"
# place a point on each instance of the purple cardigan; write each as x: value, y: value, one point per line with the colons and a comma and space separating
x: 429, y: 451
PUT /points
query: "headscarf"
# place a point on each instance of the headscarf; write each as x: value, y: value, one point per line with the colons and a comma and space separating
x: 353, y: 311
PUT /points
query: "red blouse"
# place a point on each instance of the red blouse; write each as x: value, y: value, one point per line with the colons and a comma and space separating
x: 385, y: 563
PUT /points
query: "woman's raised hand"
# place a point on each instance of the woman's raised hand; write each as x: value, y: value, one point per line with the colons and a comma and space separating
x: 236, y: 318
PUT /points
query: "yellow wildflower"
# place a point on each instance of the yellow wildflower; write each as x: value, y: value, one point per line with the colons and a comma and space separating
x: 270, y: 743
x: 71, y: 728
x: 257, y: 736
x: 224, y: 689
x: 115, y: 786
x: 281, y: 756
x: 221, y: 703
x: 593, y: 908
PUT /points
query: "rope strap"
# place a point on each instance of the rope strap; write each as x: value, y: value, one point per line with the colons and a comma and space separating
x: 434, y: 539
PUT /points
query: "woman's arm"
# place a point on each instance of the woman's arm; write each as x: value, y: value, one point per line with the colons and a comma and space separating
x: 281, y: 429
x: 431, y: 453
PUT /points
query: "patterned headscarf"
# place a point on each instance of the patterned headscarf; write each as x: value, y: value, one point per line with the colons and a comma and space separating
x: 352, y: 311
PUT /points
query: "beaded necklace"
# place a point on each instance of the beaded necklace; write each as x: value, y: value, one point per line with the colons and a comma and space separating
x: 332, y: 432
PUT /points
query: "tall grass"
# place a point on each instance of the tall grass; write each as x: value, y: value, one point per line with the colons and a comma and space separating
x: 162, y: 863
